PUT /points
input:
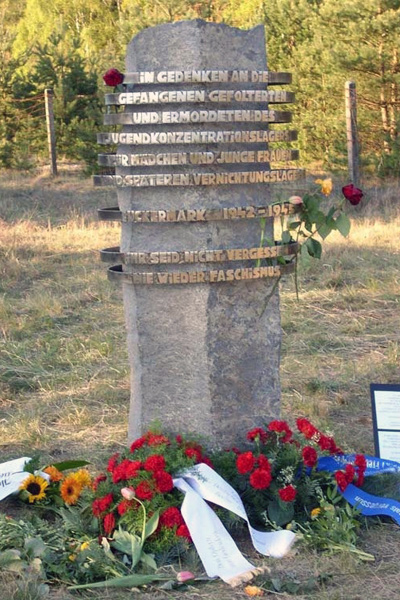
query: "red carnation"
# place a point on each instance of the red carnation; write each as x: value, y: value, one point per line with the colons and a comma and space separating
x: 124, y: 506
x: 310, y: 456
x: 100, y: 505
x: 112, y: 462
x: 263, y: 463
x: 183, y: 531
x: 155, y: 462
x: 98, y: 480
x: 155, y: 439
x: 109, y: 524
x: 360, y: 479
x: 179, y: 439
x: 164, y: 482
x: 245, y: 462
x: 144, y: 491
x: 360, y: 461
x: 113, y: 77
x: 288, y: 493
x: 131, y: 468
x: 349, y: 472
x: 306, y: 428
x: 193, y: 453
x: 260, y: 479
x: 138, y: 444
x: 171, y: 517
x: 257, y: 434
x: 341, y: 480
x: 352, y: 194
x: 281, y: 427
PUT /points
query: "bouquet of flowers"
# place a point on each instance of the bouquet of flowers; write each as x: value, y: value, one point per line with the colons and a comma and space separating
x: 278, y: 479
x: 52, y: 485
x: 138, y: 483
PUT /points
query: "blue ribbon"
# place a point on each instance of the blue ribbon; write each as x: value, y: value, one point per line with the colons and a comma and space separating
x: 367, y: 504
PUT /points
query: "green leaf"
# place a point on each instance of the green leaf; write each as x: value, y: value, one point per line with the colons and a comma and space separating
x: 314, y: 248
x: 286, y: 237
x: 35, y: 547
x: 147, y: 559
x: 294, y: 225
x: 280, y: 513
x: 343, y: 224
x: 152, y: 524
x: 70, y: 464
x: 134, y: 580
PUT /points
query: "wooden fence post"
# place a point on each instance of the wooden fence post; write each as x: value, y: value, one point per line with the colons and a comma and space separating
x: 351, y: 129
x: 51, y: 133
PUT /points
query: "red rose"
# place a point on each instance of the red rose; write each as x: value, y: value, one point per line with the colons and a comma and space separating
x: 171, y: 517
x: 288, y: 493
x: 245, y: 462
x: 260, y: 479
x: 257, y: 433
x: 183, y: 531
x: 113, y: 77
x: 144, y: 491
x: 352, y: 194
x: 281, y: 427
x: 155, y: 462
x: 310, y: 456
x: 164, y: 482
x: 109, y: 524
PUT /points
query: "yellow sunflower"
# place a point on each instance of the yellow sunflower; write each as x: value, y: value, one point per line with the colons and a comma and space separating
x: 70, y: 490
x: 55, y: 474
x: 35, y: 486
x: 83, y: 477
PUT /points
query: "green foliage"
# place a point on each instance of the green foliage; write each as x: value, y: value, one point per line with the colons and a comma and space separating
x: 322, y: 42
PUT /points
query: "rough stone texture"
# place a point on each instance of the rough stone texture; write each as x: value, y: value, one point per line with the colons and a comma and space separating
x: 203, y: 358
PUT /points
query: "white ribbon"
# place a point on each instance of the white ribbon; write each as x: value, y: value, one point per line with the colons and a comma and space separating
x: 217, y: 550
x: 12, y: 474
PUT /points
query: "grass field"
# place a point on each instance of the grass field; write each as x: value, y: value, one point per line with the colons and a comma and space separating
x: 64, y: 380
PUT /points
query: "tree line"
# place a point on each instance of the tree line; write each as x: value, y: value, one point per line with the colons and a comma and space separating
x: 69, y: 45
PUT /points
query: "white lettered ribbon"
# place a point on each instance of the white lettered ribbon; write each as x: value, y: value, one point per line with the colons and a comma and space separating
x: 217, y: 550
x: 12, y: 474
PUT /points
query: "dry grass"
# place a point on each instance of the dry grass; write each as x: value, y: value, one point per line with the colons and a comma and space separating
x: 64, y: 381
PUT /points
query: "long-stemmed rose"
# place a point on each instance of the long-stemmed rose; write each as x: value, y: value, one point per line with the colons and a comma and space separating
x: 113, y: 77
x: 352, y: 194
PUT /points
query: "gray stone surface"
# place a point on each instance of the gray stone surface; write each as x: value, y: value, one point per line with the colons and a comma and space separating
x: 203, y: 358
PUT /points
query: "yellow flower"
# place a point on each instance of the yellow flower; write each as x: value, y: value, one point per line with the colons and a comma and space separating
x: 82, y: 477
x: 35, y: 486
x: 55, y: 474
x: 83, y: 546
x: 253, y: 590
x: 326, y: 185
x: 315, y: 512
x: 70, y: 490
